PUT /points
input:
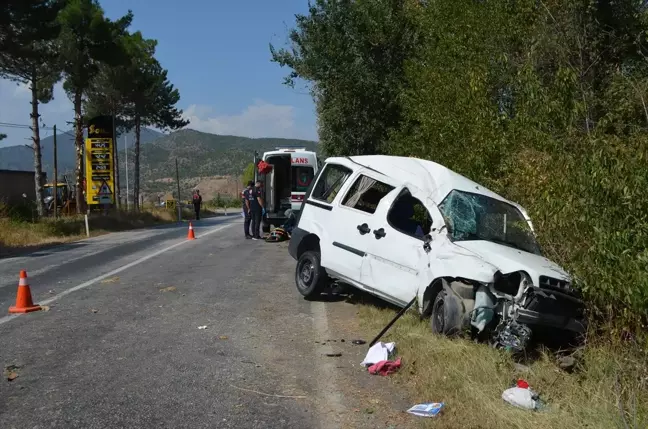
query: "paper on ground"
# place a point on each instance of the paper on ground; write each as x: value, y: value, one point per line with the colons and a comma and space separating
x: 378, y: 352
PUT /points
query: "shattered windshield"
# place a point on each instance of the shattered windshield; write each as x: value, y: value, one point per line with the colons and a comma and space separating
x: 478, y: 217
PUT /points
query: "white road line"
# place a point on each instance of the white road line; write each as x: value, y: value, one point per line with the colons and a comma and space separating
x: 5, y: 319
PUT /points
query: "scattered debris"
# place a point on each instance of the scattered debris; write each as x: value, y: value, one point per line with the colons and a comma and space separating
x: 45, y: 308
x: 223, y: 337
x: 378, y: 352
x: 94, y: 310
x: 426, y: 410
x: 168, y: 289
x: 342, y: 340
x: 385, y: 367
x: 358, y: 342
x: 110, y: 280
x: 567, y: 363
x: 202, y: 327
x: 11, y: 372
x: 334, y: 354
x: 398, y: 316
x: 522, y: 396
x: 267, y: 394
x: 512, y: 336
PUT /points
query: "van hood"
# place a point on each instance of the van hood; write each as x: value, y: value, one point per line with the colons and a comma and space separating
x: 508, y: 259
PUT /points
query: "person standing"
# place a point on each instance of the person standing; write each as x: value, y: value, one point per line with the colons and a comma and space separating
x: 247, y: 214
x: 197, y: 201
x: 256, y: 207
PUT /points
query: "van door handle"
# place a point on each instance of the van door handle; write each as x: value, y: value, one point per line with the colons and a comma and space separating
x: 379, y: 233
x: 364, y: 229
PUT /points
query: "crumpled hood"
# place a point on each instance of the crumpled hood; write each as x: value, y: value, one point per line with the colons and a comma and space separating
x: 508, y: 259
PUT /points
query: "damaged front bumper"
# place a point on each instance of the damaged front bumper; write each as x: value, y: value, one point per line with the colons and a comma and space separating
x: 530, y: 317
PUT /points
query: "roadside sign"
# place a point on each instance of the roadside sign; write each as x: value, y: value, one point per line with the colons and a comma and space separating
x: 170, y: 204
x: 99, y: 165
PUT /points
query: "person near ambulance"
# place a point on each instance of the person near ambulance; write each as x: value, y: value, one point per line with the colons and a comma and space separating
x: 257, y: 210
x: 247, y: 215
x: 197, y: 201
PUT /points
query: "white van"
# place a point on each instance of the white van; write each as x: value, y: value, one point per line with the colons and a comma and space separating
x: 285, y: 185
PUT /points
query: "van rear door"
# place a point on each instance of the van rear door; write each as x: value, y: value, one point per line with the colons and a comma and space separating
x: 270, y: 190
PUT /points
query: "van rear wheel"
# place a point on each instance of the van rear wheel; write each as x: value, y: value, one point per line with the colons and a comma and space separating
x: 310, y: 277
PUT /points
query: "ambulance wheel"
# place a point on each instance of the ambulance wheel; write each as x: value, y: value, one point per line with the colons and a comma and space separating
x: 310, y: 277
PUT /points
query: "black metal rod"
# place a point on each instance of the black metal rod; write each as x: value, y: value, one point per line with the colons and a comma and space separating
x: 398, y: 316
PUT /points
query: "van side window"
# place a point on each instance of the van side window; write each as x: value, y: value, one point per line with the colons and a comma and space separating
x: 366, y: 193
x: 330, y: 181
x: 409, y: 216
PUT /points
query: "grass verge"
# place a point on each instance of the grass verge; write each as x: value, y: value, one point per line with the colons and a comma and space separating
x: 17, y: 236
x: 470, y: 378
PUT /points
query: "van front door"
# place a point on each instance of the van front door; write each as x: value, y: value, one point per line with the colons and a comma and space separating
x: 396, y: 261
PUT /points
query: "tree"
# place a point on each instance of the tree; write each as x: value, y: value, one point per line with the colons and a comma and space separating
x: 248, y: 174
x: 28, y: 54
x: 150, y: 99
x: 108, y: 91
x: 353, y: 53
x: 87, y: 40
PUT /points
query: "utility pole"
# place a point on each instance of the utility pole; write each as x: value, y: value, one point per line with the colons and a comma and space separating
x: 55, y: 184
x: 178, y: 183
x: 115, y: 163
x: 127, y: 190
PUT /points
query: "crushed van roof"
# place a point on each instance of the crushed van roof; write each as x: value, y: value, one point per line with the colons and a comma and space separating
x: 425, y: 175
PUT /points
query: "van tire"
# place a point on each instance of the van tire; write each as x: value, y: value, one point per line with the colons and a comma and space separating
x: 447, y: 314
x: 310, y: 277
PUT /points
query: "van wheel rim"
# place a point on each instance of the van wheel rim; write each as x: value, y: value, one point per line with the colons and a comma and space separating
x: 306, y: 273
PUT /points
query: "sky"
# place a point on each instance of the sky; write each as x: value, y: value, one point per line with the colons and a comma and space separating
x: 217, y: 54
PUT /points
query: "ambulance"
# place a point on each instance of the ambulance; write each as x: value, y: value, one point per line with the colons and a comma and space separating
x: 285, y: 173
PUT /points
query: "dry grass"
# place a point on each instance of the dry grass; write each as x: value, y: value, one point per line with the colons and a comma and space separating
x: 470, y: 379
x: 20, y: 235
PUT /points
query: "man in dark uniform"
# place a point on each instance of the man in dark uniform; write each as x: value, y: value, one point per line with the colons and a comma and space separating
x: 197, y: 201
x: 255, y: 198
x: 246, y: 209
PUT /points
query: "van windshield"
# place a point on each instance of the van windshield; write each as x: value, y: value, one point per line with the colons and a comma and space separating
x: 478, y: 217
x: 302, y: 176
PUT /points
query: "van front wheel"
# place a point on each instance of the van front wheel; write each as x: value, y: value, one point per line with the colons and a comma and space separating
x: 310, y: 277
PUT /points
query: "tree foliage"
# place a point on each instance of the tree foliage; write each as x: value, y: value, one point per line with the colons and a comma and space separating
x: 543, y: 101
x: 29, y: 55
x: 353, y: 53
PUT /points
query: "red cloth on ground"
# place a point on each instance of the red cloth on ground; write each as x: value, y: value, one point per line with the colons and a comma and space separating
x: 385, y: 367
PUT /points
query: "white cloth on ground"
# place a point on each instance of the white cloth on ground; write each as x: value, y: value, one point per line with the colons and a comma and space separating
x: 378, y: 352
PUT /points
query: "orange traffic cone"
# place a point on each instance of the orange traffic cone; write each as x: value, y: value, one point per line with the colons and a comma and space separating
x: 191, y: 235
x: 24, y: 303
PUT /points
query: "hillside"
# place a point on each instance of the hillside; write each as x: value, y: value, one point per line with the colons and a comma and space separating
x: 22, y: 157
x: 203, y: 159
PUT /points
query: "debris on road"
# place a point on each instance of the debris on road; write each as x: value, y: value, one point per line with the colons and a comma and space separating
x: 426, y: 410
x: 378, y: 352
x: 168, y: 289
x: 358, y: 342
x: 94, y: 310
x: 334, y: 354
x: 45, y: 308
x: 223, y: 337
x: 202, y: 327
x: 110, y: 280
x: 385, y: 367
x: 11, y: 372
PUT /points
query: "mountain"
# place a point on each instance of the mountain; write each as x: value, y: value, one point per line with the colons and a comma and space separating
x: 200, y: 156
x: 22, y: 157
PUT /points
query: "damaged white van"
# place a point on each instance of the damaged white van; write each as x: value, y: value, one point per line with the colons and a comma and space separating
x: 405, y: 228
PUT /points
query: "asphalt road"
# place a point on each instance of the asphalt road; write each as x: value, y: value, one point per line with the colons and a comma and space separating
x: 120, y: 345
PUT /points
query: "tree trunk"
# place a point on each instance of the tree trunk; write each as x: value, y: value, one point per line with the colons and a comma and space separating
x: 136, y: 184
x: 38, y: 163
x: 78, y: 145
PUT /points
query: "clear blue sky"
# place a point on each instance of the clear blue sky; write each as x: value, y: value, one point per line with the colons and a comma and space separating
x: 217, y: 55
